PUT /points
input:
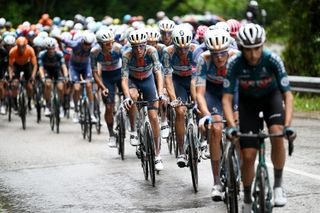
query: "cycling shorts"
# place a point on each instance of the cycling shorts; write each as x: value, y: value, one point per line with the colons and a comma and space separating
x: 182, y: 86
x: 147, y: 86
x: 76, y: 70
x: 26, y: 68
x: 249, y: 109
x: 53, y: 74
x: 111, y: 79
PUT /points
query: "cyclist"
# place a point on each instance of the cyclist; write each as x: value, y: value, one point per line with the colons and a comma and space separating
x: 153, y: 40
x: 201, y: 30
x: 22, y: 58
x: 140, y: 67
x: 178, y: 63
x: 211, y: 71
x: 166, y: 27
x: 7, y: 43
x: 107, y: 53
x: 263, y: 85
x: 52, y: 66
x: 79, y: 65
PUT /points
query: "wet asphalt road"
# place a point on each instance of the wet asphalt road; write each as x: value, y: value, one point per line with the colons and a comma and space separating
x: 41, y: 171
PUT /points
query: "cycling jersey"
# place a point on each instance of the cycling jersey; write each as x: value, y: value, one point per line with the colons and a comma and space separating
x: 259, y: 80
x: 109, y: 62
x: 27, y: 56
x: 51, y: 64
x: 140, y: 68
x: 173, y: 63
x: 3, y: 62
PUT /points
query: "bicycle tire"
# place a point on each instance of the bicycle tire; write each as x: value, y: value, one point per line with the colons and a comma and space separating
x: 193, y: 158
x: 150, y: 153
x: 52, y: 119
x: 57, y: 116
x: 10, y: 105
x: 88, y: 124
x: 38, y: 102
x: 97, y: 113
x: 82, y: 119
x: 260, y: 192
x: 122, y: 133
x: 143, y: 157
x: 232, y: 186
x: 23, y: 109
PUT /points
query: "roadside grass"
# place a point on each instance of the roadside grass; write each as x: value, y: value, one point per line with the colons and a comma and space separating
x: 306, y: 102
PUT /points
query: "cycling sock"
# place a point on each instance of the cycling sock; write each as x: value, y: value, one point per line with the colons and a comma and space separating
x: 277, y: 177
x: 247, y: 194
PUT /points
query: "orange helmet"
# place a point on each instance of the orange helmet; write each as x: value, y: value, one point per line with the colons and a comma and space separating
x: 21, y: 41
x: 45, y: 16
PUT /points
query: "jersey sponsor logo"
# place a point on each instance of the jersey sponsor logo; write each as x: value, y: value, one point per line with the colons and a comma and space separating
x: 245, y: 84
x: 226, y: 83
x: 285, y: 81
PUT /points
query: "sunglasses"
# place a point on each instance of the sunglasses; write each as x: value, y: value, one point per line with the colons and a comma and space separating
x: 87, y: 44
x: 166, y: 33
x: 139, y: 46
x: 219, y: 54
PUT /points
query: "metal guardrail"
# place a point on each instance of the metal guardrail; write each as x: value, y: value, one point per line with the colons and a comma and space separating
x: 305, y: 84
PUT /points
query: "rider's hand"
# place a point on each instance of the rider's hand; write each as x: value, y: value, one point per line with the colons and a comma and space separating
x: 31, y: 80
x: 175, y: 103
x: 127, y: 103
x: 163, y: 98
x: 289, y: 133
x: 232, y: 133
x: 205, y: 120
x: 105, y: 92
x: 195, y: 108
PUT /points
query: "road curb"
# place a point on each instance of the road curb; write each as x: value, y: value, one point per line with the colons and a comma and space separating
x: 310, y: 115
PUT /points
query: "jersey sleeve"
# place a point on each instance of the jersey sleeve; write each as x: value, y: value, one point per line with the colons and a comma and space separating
x: 71, y: 43
x: 40, y: 59
x: 280, y: 72
x: 155, y: 58
x: 200, y: 74
x: 93, y: 59
x: 33, y: 57
x: 230, y: 80
x: 60, y: 54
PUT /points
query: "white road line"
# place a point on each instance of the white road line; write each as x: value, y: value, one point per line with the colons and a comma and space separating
x: 299, y: 172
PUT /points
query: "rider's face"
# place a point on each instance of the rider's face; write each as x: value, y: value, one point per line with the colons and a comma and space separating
x: 252, y: 55
x: 139, y: 50
x: 220, y: 59
x: 166, y: 37
x: 107, y: 45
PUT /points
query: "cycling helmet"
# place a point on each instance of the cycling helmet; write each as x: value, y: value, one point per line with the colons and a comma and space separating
x: 66, y: 36
x: 234, y: 26
x: 39, y: 42
x: 89, y: 19
x: 50, y: 42
x: 137, y: 37
x: 21, y: 41
x: 56, y: 20
x: 9, y: 40
x: 222, y: 25
x: 251, y: 35
x: 88, y: 37
x: 217, y: 40
x: 78, y: 26
x: 105, y: 35
x: 2, y: 21
x: 181, y: 36
x: 43, y: 34
x: 201, y: 31
x: 77, y: 35
x: 153, y: 34
x: 166, y: 25
x: 69, y: 24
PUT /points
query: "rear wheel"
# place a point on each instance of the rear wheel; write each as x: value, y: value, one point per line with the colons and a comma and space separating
x: 97, y: 114
x: 193, y: 158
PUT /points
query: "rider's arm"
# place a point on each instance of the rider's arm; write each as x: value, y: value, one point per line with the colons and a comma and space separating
x: 170, y: 87
x: 288, y: 102
x: 125, y: 75
x: 227, y: 109
x: 168, y: 74
x: 199, y: 77
x: 34, y: 62
x: 11, y: 61
x: 157, y: 69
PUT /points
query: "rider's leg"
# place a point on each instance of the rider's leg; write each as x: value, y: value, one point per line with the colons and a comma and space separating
x: 180, y: 127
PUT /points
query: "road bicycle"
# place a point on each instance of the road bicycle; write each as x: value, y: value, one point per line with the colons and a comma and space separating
x: 171, y: 140
x: 96, y: 108
x: 55, y: 107
x: 22, y: 100
x: 120, y: 125
x: 85, y: 118
x: 38, y: 97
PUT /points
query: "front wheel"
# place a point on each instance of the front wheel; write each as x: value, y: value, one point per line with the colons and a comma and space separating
x: 88, y: 124
x: 232, y: 185
x: 260, y: 192
x: 121, y: 135
x: 150, y: 153
x: 193, y: 158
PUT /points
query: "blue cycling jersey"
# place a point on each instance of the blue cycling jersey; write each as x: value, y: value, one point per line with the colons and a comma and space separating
x: 174, y: 63
x: 79, y: 56
x: 109, y: 62
x: 51, y: 62
x: 140, y: 68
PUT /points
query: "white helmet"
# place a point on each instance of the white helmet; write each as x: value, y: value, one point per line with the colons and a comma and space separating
x: 251, y: 35
x: 137, y: 37
x: 89, y: 19
x: 2, y: 21
x: 43, y: 34
x: 153, y: 34
x: 9, y: 40
x: 181, y: 36
x: 104, y: 35
x: 55, y: 31
x: 78, y: 26
x: 78, y: 35
x: 50, y: 42
x: 221, y: 25
x: 69, y: 24
x: 217, y: 40
x: 166, y: 25
x: 39, y: 42
x: 88, y: 37
x: 66, y: 36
